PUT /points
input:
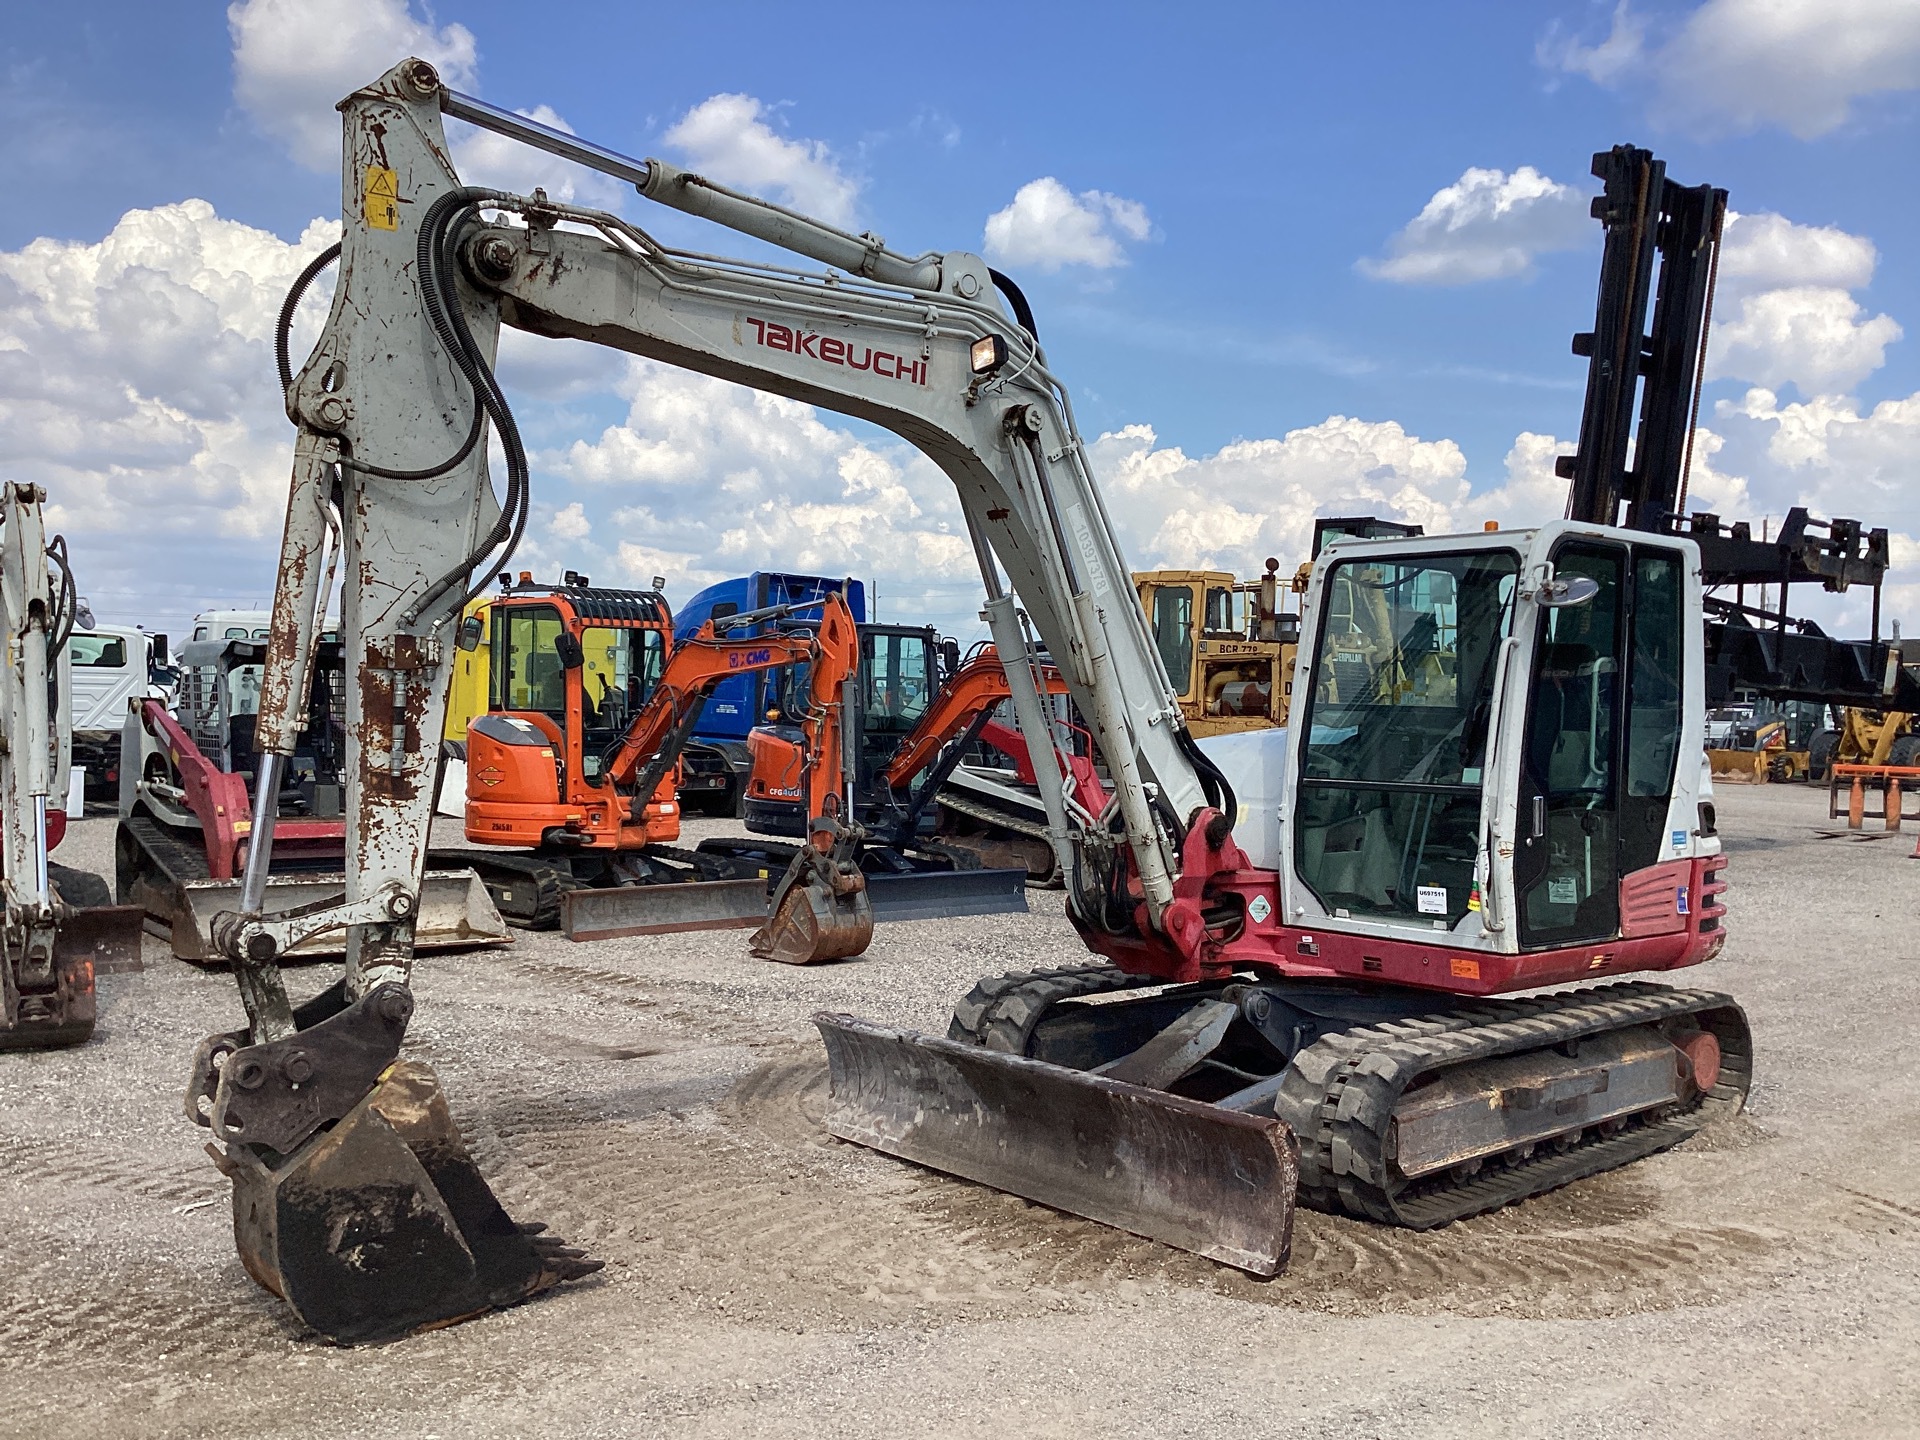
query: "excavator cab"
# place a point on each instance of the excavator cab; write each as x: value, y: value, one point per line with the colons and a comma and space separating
x: 568, y: 668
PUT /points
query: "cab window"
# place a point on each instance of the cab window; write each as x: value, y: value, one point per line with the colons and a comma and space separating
x: 619, y: 668
x: 526, y: 673
x: 109, y: 652
x: 1397, y: 724
x: 898, y: 680
x: 1173, y: 634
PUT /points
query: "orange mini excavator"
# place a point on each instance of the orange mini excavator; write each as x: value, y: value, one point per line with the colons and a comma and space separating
x: 572, y: 770
x: 900, y: 769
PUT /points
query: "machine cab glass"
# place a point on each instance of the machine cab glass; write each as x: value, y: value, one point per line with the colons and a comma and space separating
x: 1397, y: 724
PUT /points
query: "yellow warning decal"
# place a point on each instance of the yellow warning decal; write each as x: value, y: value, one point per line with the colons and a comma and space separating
x: 383, y: 199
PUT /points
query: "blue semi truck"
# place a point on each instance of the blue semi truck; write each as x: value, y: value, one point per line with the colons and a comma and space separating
x: 715, y: 762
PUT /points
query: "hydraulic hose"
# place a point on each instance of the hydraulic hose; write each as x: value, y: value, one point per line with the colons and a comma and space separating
x: 1022, y: 311
x: 438, y: 270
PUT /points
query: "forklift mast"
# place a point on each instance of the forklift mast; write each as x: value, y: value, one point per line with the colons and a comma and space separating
x: 1663, y: 246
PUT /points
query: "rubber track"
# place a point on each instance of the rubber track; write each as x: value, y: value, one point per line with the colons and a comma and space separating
x: 176, y: 860
x: 1340, y: 1095
x: 1340, y: 1092
x: 499, y: 872
x: 1000, y: 1012
x: 992, y: 815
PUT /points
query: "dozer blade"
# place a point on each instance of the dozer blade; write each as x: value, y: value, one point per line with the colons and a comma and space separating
x: 456, y: 913
x: 663, y: 909
x: 946, y: 894
x: 814, y: 922
x: 383, y: 1225
x: 1745, y: 766
x: 1213, y: 1181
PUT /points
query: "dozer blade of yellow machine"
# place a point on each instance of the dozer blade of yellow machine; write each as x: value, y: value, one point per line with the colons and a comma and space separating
x: 354, y: 1197
x: 1748, y: 767
x: 1213, y: 1181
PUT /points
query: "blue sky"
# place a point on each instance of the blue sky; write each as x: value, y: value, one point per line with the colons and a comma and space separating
x: 1214, y: 210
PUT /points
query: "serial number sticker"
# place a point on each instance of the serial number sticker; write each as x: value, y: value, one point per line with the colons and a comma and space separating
x: 1464, y: 969
x: 1433, y: 900
x: 1563, y: 890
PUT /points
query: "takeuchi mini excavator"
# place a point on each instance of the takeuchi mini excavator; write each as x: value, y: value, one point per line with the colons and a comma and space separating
x: 573, y: 766
x: 1491, y: 783
x: 60, y: 926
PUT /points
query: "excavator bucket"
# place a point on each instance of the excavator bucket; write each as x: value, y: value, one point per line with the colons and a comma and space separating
x: 1214, y: 1181
x: 820, y: 910
x: 817, y: 920
x: 382, y: 1225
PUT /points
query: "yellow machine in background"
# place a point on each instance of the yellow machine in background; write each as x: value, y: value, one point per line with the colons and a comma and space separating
x: 1227, y: 648
x: 1867, y: 737
x: 469, y: 697
x: 1758, y: 754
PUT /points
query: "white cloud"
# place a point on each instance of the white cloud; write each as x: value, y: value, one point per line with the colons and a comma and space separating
x: 570, y: 523
x: 1734, y: 66
x: 727, y: 138
x: 1785, y: 316
x: 294, y: 60
x: 1487, y: 225
x: 1257, y: 498
x: 1047, y: 226
x: 137, y: 385
x: 703, y: 479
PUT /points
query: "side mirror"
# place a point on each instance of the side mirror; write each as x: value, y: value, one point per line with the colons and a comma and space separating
x: 950, y: 655
x: 570, y: 651
x: 1561, y: 594
x: 472, y: 631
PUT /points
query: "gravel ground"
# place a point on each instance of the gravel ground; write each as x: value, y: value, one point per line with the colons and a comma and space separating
x: 656, y: 1100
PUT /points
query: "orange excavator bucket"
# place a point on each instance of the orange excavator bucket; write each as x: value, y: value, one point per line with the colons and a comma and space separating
x: 821, y: 909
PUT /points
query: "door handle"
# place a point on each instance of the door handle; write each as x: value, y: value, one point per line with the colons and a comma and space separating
x: 1539, y: 816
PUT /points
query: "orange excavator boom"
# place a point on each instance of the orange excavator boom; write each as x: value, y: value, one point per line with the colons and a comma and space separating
x: 640, y: 759
x: 978, y: 685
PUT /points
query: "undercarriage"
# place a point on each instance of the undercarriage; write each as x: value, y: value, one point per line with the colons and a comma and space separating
x: 1401, y: 1106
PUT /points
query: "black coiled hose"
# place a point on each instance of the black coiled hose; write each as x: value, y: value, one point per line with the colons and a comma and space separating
x: 436, y: 254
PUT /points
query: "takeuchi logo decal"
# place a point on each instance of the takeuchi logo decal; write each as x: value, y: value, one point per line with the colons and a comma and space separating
x: 833, y: 351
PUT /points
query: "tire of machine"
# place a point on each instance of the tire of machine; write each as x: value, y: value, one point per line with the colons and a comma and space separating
x: 1820, y: 753
x: 81, y: 889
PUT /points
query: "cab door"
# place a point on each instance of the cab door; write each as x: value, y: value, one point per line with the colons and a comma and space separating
x: 1567, y: 855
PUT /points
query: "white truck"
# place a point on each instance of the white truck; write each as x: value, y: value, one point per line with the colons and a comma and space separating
x: 114, y: 668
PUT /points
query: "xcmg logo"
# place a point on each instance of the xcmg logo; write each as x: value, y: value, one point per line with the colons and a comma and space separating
x: 742, y: 658
x: 883, y: 363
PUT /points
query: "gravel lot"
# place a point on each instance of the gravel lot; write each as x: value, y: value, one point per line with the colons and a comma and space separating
x: 655, y: 1100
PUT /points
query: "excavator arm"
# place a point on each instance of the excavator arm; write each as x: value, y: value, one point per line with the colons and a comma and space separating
x: 393, y: 395
x: 974, y: 688
x: 391, y: 491
x: 641, y: 758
